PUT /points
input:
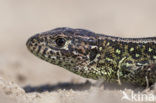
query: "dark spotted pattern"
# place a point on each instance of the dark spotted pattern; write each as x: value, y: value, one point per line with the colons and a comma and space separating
x: 97, y: 56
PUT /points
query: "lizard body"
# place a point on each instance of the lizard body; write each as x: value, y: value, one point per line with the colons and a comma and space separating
x: 97, y: 56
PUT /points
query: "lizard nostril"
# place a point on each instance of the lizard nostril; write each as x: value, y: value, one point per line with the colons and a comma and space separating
x: 31, y: 40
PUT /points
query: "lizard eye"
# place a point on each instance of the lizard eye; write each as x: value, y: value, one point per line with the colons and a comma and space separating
x: 60, y: 42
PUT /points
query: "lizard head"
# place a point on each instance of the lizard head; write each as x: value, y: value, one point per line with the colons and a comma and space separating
x: 72, y: 49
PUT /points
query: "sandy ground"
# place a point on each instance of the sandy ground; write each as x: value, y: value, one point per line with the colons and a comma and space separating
x: 27, y: 79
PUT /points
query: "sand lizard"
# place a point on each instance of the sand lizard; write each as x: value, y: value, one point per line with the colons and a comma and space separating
x: 98, y: 56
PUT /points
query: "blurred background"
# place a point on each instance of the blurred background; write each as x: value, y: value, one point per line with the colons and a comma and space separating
x: 20, y: 19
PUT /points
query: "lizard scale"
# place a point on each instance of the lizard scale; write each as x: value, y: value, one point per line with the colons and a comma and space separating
x: 98, y: 56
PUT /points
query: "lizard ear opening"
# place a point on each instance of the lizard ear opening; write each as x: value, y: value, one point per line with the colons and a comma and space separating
x: 93, y: 53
